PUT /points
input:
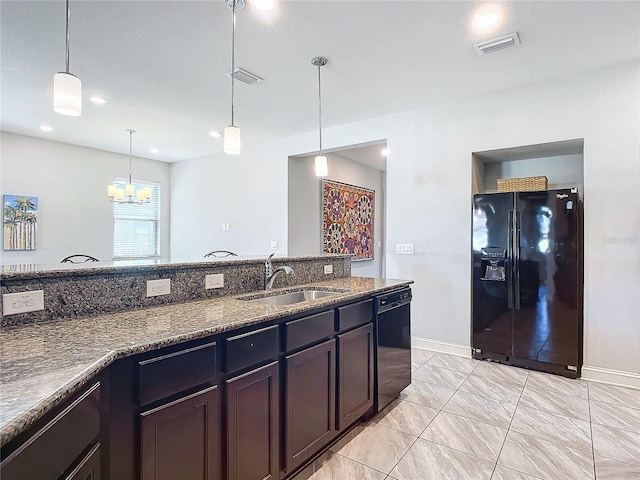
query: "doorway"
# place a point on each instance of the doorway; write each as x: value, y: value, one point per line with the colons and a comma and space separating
x: 362, y: 165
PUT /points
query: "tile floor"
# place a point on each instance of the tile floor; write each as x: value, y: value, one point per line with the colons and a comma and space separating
x: 465, y: 419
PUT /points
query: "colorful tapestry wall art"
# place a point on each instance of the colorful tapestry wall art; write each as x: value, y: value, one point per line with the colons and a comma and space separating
x: 20, y: 222
x: 347, y: 220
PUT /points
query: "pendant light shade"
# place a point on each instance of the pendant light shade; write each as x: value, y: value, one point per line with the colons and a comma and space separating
x: 322, y: 168
x: 231, y: 139
x: 321, y: 165
x: 67, y: 88
x: 67, y: 94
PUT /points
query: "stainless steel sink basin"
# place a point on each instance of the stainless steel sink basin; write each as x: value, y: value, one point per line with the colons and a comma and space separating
x: 290, y: 297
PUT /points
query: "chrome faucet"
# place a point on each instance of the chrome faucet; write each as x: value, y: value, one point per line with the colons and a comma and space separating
x: 270, y: 274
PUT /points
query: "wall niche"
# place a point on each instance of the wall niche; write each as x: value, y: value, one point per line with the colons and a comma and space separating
x: 561, y: 162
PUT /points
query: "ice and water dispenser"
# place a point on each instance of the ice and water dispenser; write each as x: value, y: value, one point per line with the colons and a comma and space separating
x: 492, y: 264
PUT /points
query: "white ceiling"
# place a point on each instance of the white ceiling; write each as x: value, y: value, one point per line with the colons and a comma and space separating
x: 162, y: 64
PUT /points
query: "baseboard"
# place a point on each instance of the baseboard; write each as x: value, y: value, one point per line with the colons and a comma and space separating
x: 613, y: 377
x: 442, y: 347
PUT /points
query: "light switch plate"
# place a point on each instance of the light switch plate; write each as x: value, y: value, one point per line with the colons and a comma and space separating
x: 22, y: 302
x: 328, y: 269
x: 158, y: 287
x: 404, y: 248
x: 215, y: 280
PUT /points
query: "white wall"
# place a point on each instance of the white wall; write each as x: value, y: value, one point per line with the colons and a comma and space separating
x: 246, y: 191
x: 305, y: 206
x: 74, y: 212
x: 429, y: 181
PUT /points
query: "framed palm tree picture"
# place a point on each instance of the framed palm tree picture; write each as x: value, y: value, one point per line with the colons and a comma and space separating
x: 20, y: 222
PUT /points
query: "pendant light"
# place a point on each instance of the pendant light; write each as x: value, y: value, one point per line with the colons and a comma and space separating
x: 231, y: 136
x: 321, y: 167
x: 67, y: 88
x: 128, y: 194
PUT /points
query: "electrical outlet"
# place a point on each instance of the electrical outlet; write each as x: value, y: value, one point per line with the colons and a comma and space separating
x: 215, y: 280
x: 158, y: 287
x: 22, y: 302
x: 274, y: 245
x: 328, y: 269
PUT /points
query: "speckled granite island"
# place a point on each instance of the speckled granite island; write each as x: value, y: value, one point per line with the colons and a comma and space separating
x: 43, y: 363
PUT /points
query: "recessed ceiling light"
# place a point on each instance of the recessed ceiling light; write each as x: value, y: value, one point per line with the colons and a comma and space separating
x: 155, y: 150
x: 384, y: 152
x: 46, y: 128
x: 98, y: 100
x: 263, y: 4
x: 485, y: 19
x: 214, y: 134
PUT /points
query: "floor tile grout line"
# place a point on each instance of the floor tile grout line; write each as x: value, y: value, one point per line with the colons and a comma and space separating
x: 458, y: 450
x: 593, y: 447
x: 625, y: 405
x: 363, y: 464
x: 474, y: 419
x: 407, y: 451
x: 509, y: 427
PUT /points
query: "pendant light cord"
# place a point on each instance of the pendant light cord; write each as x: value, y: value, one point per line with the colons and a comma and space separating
x: 68, y: 36
x: 130, y: 150
x: 233, y: 59
x: 320, y: 108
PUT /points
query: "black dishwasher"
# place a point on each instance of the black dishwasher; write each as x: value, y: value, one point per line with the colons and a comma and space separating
x: 393, y: 334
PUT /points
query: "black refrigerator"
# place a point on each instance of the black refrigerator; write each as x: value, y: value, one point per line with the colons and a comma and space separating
x: 527, y: 280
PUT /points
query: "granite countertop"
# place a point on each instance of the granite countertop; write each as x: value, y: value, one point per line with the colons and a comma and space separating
x: 42, y: 364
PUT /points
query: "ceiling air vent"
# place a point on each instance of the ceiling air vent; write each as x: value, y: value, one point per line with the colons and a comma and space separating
x: 244, y: 76
x: 499, y: 43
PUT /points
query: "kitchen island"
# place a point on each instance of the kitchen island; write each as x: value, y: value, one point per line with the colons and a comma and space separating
x: 46, y: 366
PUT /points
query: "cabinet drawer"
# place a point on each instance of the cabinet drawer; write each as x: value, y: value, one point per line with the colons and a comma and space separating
x: 308, y: 330
x: 252, y: 348
x: 353, y: 315
x: 173, y: 373
x: 52, y: 450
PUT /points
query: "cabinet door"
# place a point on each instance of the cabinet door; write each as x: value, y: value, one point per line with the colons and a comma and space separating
x: 355, y: 374
x: 89, y: 468
x: 310, y: 402
x: 253, y: 425
x: 180, y: 439
x: 52, y: 450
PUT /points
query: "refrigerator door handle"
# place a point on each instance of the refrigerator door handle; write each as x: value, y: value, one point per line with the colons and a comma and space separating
x: 516, y: 249
x: 510, y: 260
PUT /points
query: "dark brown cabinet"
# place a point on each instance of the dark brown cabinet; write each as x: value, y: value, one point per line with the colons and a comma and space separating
x: 89, y: 468
x: 180, y: 438
x: 310, y: 402
x: 253, y: 424
x: 355, y: 374
x: 54, y: 450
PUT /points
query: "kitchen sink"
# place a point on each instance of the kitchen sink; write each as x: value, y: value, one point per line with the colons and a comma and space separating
x: 290, y: 298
